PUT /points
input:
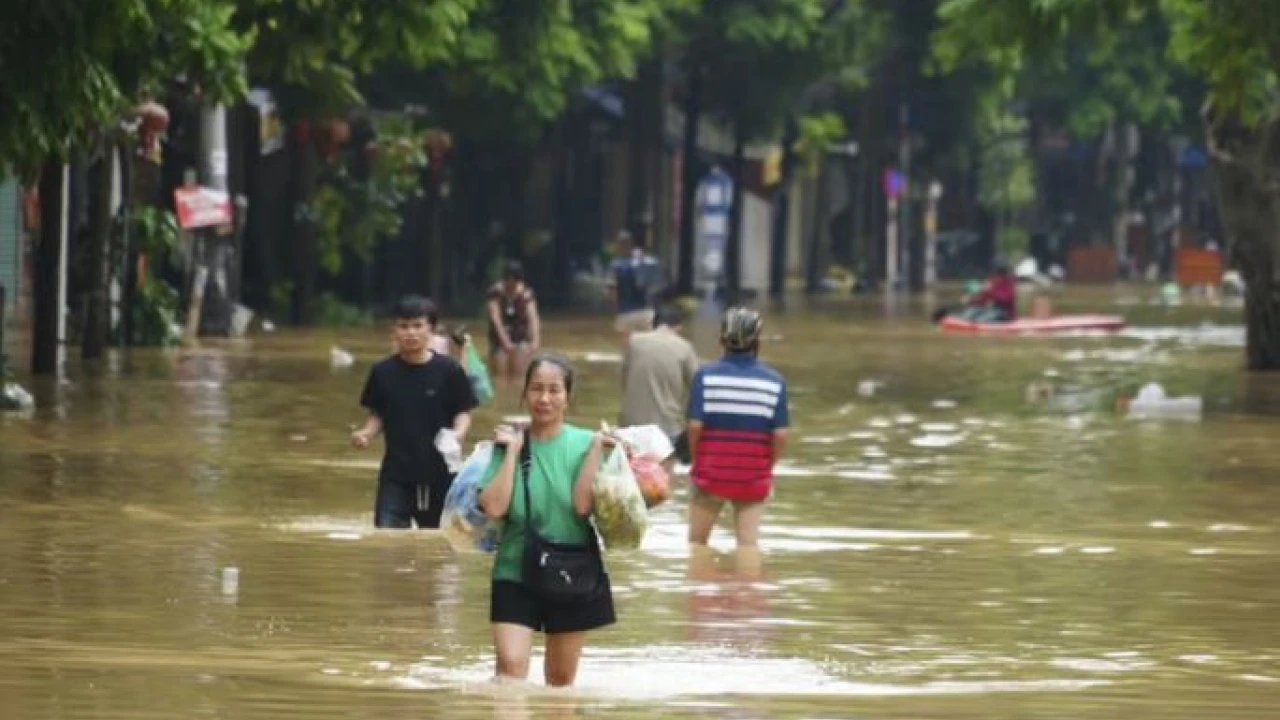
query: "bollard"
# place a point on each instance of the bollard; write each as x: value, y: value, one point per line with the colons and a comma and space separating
x: 4, y: 358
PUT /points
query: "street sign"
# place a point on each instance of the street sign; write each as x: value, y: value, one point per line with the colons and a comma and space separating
x: 200, y: 207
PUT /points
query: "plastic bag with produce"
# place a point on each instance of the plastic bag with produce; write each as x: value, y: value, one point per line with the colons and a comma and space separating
x: 463, y: 523
x: 646, y: 440
x: 651, y: 478
x: 619, y: 508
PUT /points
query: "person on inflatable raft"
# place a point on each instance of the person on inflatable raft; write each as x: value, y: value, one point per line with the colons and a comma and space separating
x: 996, y: 302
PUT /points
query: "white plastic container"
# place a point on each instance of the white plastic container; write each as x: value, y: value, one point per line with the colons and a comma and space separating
x: 1151, y: 403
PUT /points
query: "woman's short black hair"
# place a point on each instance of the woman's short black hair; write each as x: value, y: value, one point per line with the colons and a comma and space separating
x: 550, y: 358
x: 412, y: 307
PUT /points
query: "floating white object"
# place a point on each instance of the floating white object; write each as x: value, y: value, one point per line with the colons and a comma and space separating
x: 18, y: 396
x: 230, y: 580
x: 339, y: 358
x: 1151, y: 403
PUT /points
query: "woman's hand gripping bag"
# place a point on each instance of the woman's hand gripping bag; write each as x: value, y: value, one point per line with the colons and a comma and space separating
x: 619, y: 509
x: 462, y: 521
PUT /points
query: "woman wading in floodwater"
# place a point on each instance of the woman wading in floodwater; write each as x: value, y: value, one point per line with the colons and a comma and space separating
x: 548, y: 575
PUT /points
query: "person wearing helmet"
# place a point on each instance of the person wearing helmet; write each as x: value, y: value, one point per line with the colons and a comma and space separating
x: 738, y: 420
x: 998, y: 300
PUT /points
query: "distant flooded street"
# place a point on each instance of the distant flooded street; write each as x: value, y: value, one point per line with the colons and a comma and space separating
x: 963, y: 528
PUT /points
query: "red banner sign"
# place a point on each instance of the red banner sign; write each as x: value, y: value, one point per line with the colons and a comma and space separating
x: 202, y: 207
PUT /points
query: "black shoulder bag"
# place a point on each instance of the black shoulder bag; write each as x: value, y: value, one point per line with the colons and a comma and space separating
x: 556, y: 572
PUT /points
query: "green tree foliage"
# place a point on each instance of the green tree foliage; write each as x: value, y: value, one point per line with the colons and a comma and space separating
x: 517, y: 63
x: 313, y: 52
x: 1231, y: 46
x: 71, y: 69
x: 764, y: 57
x: 355, y: 211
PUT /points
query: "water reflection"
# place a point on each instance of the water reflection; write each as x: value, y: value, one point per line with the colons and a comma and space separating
x: 728, y: 599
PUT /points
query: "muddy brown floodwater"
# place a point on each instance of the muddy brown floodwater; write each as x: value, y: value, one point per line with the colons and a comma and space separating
x: 964, y: 528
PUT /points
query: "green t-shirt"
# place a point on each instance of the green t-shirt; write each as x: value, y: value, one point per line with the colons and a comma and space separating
x: 556, y: 464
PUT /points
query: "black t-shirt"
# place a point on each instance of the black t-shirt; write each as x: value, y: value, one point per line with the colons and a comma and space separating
x: 415, y: 401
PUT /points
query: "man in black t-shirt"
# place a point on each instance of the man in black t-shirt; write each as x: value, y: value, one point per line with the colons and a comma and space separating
x: 412, y: 397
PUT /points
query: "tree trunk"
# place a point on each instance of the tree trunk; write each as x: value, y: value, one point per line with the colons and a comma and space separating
x: 306, y: 253
x: 44, y: 341
x: 733, y: 245
x: 819, y: 233
x: 566, y: 162
x: 98, y: 271
x: 781, y: 213
x: 1250, y: 208
x: 129, y: 268
x: 644, y: 138
x: 690, y: 171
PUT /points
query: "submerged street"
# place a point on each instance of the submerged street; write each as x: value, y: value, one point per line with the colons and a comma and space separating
x: 963, y: 528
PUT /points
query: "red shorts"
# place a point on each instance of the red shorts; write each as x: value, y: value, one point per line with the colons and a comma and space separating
x: 751, y: 492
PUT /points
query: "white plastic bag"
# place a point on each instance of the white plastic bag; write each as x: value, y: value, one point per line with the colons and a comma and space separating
x: 646, y: 440
x: 619, y: 509
x: 450, y: 449
x: 463, y: 523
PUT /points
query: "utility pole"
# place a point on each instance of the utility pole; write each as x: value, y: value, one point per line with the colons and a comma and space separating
x: 904, y: 163
x: 211, y: 248
x: 931, y: 235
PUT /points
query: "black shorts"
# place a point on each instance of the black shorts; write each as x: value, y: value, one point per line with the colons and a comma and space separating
x: 400, y: 505
x: 511, y: 602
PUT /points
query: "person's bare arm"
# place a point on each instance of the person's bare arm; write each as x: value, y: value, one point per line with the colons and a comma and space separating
x: 461, y: 424
x: 582, y: 502
x: 362, y: 437
x: 495, y: 320
x: 495, y: 499
x: 779, y: 443
x: 689, y: 369
x: 535, y: 325
x: 694, y: 433
x: 626, y: 365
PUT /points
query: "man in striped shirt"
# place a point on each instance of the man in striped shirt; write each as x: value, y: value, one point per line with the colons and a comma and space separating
x: 738, y: 421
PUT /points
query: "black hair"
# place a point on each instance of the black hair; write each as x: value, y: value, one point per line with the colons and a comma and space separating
x: 513, y: 270
x: 412, y: 307
x: 550, y: 358
x: 668, y: 315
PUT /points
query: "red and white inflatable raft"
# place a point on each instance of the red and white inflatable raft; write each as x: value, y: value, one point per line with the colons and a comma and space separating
x: 1033, y: 326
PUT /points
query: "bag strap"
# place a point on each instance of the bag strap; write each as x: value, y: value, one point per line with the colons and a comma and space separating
x: 525, y: 469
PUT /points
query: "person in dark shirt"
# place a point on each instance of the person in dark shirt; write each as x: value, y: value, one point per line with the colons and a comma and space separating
x: 515, y: 330
x: 635, y: 277
x: 415, y: 398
